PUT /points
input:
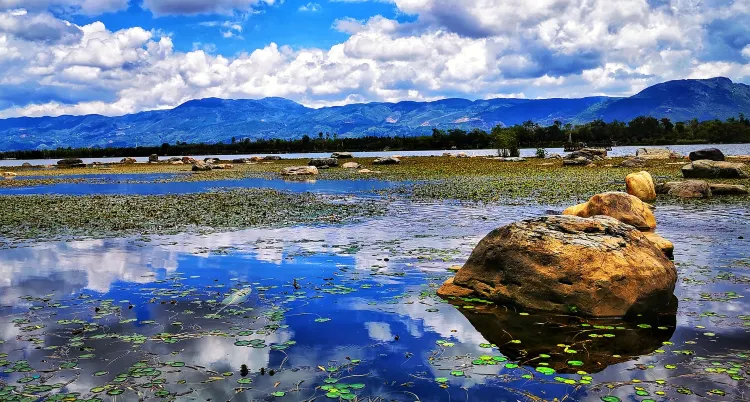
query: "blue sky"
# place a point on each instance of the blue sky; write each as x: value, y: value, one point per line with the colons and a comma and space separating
x: 115, y: 57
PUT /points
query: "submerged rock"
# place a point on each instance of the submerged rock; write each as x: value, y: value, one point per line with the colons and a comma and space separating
x: 299, y: 171
x: 590, y: 266
x: 323, y: 162
x: 712, y: 154
x: 641, y: 185
x: 707, y: 169
x: 391, y: 160
x: 342, y: 155
x: 621, y: 206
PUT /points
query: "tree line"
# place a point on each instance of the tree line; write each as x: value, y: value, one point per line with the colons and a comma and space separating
x: 639, y: 131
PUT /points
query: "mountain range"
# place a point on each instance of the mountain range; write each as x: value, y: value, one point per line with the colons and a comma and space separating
x: 212, y: 120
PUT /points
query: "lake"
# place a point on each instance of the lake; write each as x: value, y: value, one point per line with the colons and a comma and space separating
x: 348, y: 312
x: 728, y: 149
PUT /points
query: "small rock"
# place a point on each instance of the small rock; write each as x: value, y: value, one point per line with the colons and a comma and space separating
x: 351, y: 165
x: 222, y: 166
x: 712, y: 154
x: 391, y: 160
x: 514, y: 159
x: 272, y: 158
x: 200, y: 166
x: 368, y: 171
x: 26, y: 164
x: 153, y: 158
x: 188, y: 160
x: 657, y: 153
x: 70, y: 162
x: 342, y: 155
x: 299, y: 171
x: 579, y: 161
x: 634, y: 162
x: 9, y: 174
x: 211, y: 160
x: 174, y: 159
x: 321, y: 162
x: 177, y: 162
x: 128, y: 161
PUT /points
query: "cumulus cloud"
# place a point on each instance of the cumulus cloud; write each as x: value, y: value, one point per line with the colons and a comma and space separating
x: 310, y: 7
x: 474, y: 49
x: 42, y: 27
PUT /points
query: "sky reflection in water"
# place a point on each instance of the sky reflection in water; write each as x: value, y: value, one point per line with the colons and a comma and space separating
x: 364, y: 313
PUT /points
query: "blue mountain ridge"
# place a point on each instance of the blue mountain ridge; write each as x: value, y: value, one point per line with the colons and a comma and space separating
x: 212, y: 120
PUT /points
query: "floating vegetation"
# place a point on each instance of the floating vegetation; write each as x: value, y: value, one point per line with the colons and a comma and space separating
x: 43, y: 217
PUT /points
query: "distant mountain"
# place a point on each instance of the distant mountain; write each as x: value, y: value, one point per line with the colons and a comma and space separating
x: 212, y: 120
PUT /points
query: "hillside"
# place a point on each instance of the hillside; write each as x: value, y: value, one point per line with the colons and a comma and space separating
x: 212, y: 120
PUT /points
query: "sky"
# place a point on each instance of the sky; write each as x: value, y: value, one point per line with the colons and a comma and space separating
x: 115, y: 57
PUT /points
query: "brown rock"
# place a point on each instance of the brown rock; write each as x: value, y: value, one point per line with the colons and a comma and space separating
x: 634, y: 162
x: 663, y: 244
x: 706, y: 169
x: 641, y: 185
x: 621, y: 206
x: 448, y: 289
x: 728, y: 189
x: 351, y: 165
x: 128, y: 161
x: 200, y: 166
x: 687, y: 189
x: 188, y: 160
x: 590, y: 266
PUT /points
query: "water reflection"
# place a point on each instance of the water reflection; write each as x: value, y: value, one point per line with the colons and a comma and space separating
x: 569, y: 344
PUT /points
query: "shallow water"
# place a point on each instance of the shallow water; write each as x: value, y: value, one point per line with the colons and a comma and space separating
x: 728, y: 149
x: 362, y: 314
x: 148, y: 184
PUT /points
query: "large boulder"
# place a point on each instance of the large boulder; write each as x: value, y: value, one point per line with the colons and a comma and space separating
x: 323, y: 162
x: 200, y: 166
x: 596, y: 267
x: 299, y: 171
x: 711, y: 154
x: 391, y: 160
x: 342, y: 155
x: 707, y: 169
x: 621, y: 206
x: 685, y: 189
x: 641, y: 185
x: 128, y: 161
x: 656, y: 153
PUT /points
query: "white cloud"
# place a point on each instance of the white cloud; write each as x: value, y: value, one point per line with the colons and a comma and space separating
x: 474, y: 49
x: 310, y: 7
